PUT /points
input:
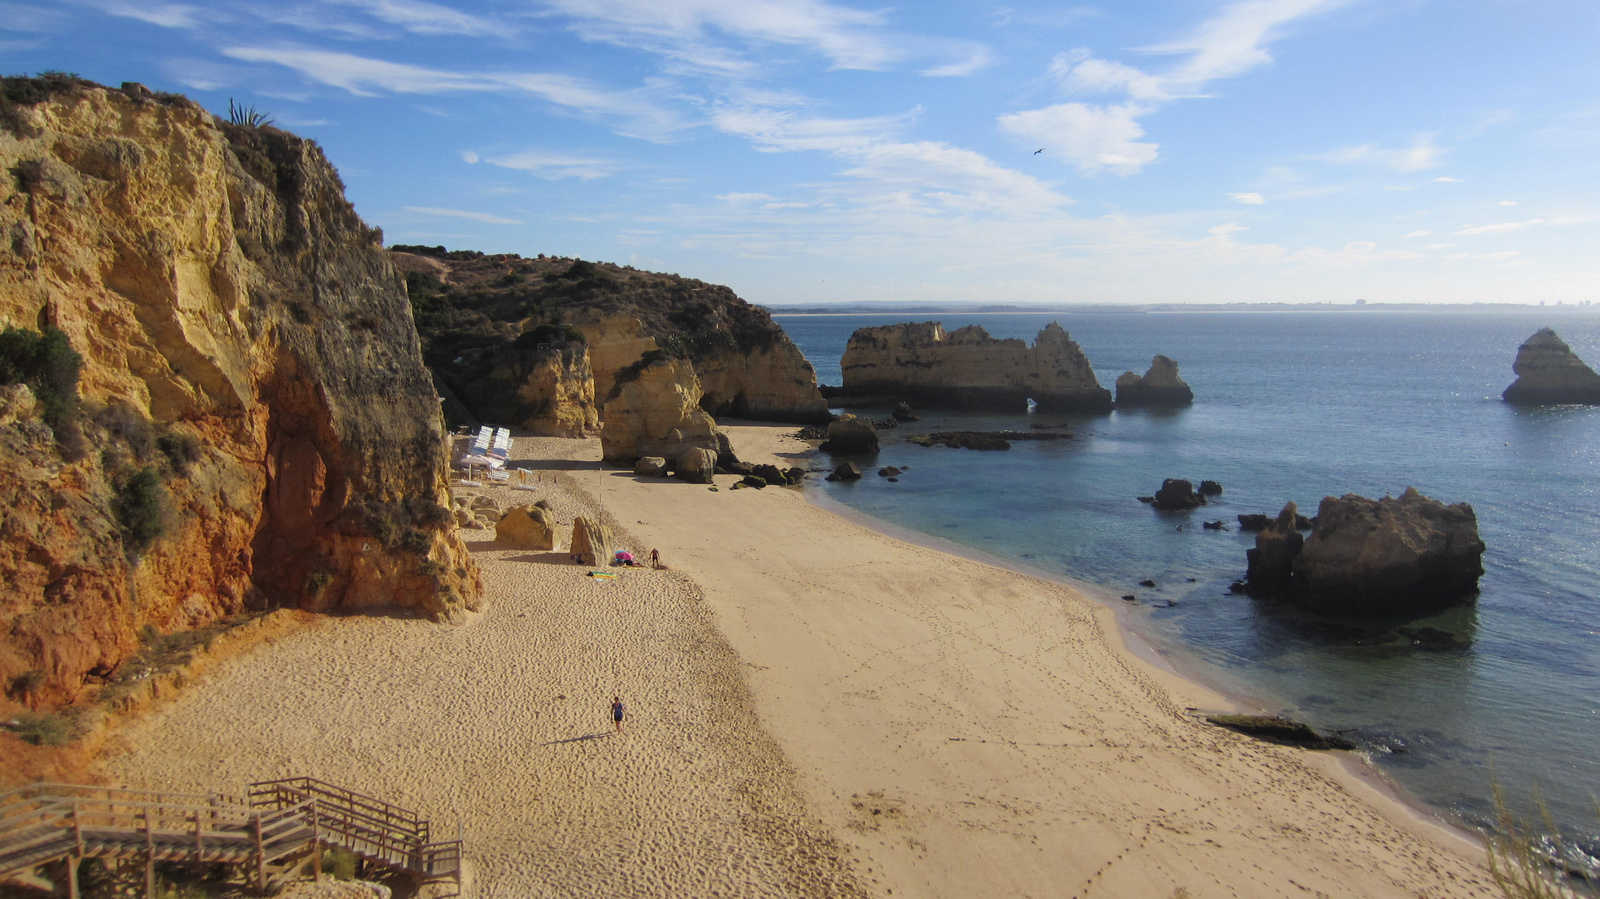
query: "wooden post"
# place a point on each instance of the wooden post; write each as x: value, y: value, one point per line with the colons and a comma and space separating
x: 149, y: 857
x: 261, y: 855
x: 199, y: 843
x: 77, y: 830
x: 72, y: 875
x: 316, y: 846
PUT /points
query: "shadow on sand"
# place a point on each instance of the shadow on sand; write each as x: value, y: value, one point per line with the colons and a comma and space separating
x: 599, y: 736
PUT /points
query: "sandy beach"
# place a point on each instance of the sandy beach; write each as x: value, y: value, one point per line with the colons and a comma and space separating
x: 818, y: 710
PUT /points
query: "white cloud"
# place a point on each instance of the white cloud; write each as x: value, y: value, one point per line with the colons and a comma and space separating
x: 166, y: 15
x: 1094, y: 138
x: 977, y: 61
x: 1420, y: 156
x: 1415, y: 234
x: 1225, y: 230
x: 788, y: 130
x: 1358, y: 253
x: 554, y: 166
x: 470, y: 157
x: 1437, y: 246
x: 462, y: 214
x: 1104, y: 138
x: 689, y: 30
x: 640, y: 114
x: 420, y: 17
x: 1249, y: 199
x: 1446, y: 179
x: 737, y: 197
x: 1236, y: 41
x: 1498, y: 228
x: 1508, y: 202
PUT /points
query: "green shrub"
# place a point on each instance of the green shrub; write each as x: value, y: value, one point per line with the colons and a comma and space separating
x: 340, y: 864
x: 144, y: 509
x: 181, y: 448
x: 44, y: 730
x: 47, y: 363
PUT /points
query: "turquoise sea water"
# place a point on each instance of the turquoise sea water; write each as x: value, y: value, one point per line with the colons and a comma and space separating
x: 1297, y: 406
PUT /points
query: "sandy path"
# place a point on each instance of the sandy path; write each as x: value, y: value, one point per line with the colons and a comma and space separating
x: 504, y: 724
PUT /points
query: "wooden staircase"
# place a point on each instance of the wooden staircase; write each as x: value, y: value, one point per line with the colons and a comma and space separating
x: 269, y: 832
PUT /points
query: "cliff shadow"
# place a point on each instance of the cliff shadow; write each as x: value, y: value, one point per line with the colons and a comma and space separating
x: 553, y: 557
x: 552, y: 465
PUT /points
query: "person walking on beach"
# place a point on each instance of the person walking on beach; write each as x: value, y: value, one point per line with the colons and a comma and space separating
x: 618, y: 711
x: 655, y: 559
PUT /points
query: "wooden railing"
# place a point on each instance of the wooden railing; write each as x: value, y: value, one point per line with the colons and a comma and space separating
x: 276, y: 820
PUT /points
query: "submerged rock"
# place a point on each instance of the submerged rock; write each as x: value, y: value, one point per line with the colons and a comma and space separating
x: 1159, y: 386
x: 1279, y: 730
x: 1550, y: 373
x: 847, y: 471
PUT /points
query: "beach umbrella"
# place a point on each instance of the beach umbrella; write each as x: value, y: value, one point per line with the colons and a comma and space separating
x: 624, y: 555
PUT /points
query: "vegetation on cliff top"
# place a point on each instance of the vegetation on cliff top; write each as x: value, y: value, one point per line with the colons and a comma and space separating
x: 464, y: 299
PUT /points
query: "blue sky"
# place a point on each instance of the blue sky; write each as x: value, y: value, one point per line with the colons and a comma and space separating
x: 810, y: 151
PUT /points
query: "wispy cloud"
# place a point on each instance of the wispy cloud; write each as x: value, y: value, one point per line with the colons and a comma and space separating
x: 1249, y: 199
x: 638, y: 114
x: 691, y: 30
x: 166, y: 15
x: 1415, y: 234
x: 554, y: 166
x: 786, y: 130
x: 462, y: 214
x: 1446, y: 179
x: 419, y: 17
x: 1103, y: 138
x: 1498, y: 227
x: 1420, y: 156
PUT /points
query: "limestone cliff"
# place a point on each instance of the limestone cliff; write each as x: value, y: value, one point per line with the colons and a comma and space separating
x: 1550, y: 373
x: 470, y: 309
x: 654, y: 410
x: 1159, y: 386
x: 252, y: 424
x: 967, y: 367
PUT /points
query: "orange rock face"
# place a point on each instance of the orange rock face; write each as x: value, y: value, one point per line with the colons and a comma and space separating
x: 243, y: 333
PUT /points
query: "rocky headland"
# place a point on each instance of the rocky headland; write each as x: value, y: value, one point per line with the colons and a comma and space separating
x: 968, y: 368
x: 1158, y: 386
x: 539, y: 343
x: 214, y: 399
x: 1549, y: 373
x: 1390, y: 556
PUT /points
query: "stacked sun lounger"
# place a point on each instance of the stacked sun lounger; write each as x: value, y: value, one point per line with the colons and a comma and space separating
x: 500, y: 445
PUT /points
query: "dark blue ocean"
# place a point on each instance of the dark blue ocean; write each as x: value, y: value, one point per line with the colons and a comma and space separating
x: 1297, y: 406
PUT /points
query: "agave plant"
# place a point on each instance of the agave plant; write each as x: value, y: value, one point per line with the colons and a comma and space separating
x: 247, y: 116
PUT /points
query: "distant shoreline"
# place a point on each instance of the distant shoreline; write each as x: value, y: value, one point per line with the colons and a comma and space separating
x: 1157, y: 308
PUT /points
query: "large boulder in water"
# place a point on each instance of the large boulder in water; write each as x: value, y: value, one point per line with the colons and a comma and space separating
x: 1177, y: 494
x: 1389, y: 556
x: 851, y: 435
x: 1272, y: 560
x: 1159, y: 386
x: 1550, y: 373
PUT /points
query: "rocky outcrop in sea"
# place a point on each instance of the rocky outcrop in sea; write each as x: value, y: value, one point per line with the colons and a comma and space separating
x: 248, y: 421
x: 1390, y: 556
x: 1159, y: 386
x: 968, y: 368
x: 1549, y: 373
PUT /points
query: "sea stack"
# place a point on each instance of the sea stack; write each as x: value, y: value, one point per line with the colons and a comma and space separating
x: 1390, y: 556
x: 1160, y: 386
x: 968, y: 368
x: 1549, y: 373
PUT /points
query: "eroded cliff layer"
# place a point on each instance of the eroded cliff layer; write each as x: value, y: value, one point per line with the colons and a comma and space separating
x: 474, y: 310
x: 251, y: 423
x: 967, y: 367
x: 1550, y: 373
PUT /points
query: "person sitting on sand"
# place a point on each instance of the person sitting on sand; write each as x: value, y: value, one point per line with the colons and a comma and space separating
x: 618, y: 711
